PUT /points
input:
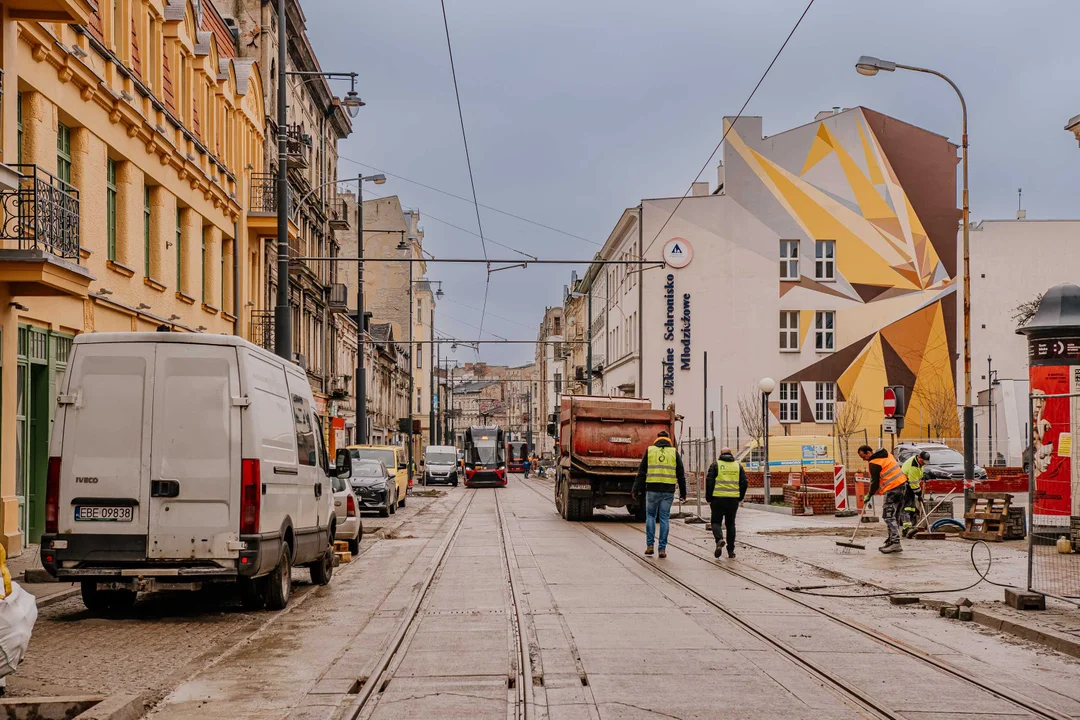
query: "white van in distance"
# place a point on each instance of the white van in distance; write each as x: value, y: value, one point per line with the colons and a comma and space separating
x: 178, y: 459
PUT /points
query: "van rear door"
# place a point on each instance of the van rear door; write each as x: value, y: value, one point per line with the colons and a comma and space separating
x: 194, y: 504
x: 105, y: 447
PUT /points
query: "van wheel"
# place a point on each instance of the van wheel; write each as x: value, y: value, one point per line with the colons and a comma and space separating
x: 323, y: 568
x: 402, y: 502
x: 97, y: 600
x: 279, y: 582
x: 252, y: 593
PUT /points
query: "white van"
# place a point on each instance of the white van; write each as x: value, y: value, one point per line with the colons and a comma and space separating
x: 178, y: 459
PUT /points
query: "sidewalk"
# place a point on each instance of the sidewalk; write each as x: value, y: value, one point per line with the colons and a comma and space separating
x: 943, y: 566
x: 46, y: 593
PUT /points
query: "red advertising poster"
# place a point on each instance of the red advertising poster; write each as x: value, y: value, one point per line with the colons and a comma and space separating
x: 1053, y: 476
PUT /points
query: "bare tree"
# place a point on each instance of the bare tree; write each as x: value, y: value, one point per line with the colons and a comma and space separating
x: 939, y: 402
x: 750, y: 414
x: 847, y: 421
x: 1026, y: 310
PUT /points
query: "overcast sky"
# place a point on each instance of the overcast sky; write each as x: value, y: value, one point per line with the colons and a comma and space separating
x: 576, y: 109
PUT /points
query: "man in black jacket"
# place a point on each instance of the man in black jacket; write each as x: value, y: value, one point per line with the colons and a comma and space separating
x: 725, y: 487
x: 660, y: 470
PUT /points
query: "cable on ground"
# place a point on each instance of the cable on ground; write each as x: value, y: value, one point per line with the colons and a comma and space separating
x: 983, y: 577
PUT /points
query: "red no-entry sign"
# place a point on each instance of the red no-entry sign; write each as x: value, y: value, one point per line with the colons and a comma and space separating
x: 890, y: 402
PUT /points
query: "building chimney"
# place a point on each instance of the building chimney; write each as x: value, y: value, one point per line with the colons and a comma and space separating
x: 720, y: 176
x: 699, y: 189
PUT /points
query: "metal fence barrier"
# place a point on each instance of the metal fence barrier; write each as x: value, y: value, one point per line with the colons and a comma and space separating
x: 1053, y: 519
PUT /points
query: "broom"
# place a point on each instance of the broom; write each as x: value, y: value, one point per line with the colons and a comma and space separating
x: 851, y: 543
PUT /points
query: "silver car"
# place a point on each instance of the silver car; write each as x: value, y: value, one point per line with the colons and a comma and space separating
x: 347, y: 514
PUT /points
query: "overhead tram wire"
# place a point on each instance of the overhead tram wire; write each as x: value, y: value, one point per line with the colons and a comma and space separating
x: 468, y: 162
x: 537, y: 223
x: 729, y: 127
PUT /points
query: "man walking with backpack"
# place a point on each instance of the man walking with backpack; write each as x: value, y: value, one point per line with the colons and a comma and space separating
x: 725, y: 487
x: 660, y: 471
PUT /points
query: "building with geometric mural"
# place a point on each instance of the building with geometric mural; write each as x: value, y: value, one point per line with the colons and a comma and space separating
x: 824, y: 257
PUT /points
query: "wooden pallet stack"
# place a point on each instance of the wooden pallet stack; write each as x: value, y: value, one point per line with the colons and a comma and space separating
x: 988, y: 517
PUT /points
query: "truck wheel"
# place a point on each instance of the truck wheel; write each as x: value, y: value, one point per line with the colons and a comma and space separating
x: 252, y: 593
x: 101, y: 600
x: 638, y: 511
x: 279, y: 582
x: 562, y: 499
x: 323, y: 568
x: 585, y: 509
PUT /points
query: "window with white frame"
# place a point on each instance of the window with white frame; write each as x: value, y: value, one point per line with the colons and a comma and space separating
x: 789, y: 402
x: 789, y: 330
x: 824, y: 402
x: 789, y: 260
x: 825, y: 330
x: 825, y: 260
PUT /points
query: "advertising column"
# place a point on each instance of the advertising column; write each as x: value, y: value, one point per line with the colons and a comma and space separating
x: 1054, y: 372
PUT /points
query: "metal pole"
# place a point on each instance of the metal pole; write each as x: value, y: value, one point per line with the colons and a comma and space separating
x: 969, y: 411
x: 765, y: 446
x: 282, y: 311
x: 412, y: 363
x: 1031, y: 490
x: 361, y: 372
x: 431, y: 389
x: 588, y: 359
x: 704, y: 427
x: 990, y: 408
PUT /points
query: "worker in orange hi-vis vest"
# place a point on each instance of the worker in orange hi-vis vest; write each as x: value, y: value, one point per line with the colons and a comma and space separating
x: 887, y: 478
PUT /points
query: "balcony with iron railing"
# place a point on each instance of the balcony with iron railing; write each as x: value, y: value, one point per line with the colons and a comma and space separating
x: 339, y: 214
x: 261, y: 329
x: 297, y: 147
x: 41, y: 213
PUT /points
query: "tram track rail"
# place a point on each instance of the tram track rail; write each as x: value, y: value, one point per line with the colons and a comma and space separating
x: 372, y: 687
x: 861, y: 699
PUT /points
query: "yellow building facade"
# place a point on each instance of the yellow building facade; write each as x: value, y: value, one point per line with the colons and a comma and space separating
x: 134, y: 130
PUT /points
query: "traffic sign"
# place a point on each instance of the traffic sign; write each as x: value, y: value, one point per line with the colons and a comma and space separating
x: 888, y: 425
x: 890, y: 402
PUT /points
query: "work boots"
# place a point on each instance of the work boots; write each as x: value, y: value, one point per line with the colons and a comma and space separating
x: 719, y: 551
x: 891, y: 547
x: 649, y: 550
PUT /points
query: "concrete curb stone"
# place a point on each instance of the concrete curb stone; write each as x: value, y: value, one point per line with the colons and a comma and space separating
x: 1044, y: 636
x: 117, y: 707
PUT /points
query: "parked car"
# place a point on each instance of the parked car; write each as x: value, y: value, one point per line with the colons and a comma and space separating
x: 348, y: 527
x: 179, y: 459
x: 373, y: 483
x: 945, y: 463
x: 440, y: 465
x: 393, y: 457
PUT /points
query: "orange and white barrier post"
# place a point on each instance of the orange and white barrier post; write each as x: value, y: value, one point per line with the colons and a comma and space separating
x: 840, y: 488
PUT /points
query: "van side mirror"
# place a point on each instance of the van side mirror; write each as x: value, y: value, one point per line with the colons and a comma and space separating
x: 343, y: 462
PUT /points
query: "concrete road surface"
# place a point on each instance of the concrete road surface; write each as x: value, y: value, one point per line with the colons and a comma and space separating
x: 486, y: 604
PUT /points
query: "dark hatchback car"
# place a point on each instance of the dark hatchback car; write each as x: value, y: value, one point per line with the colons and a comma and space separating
x: 374, y: 486
x: 945, y: 463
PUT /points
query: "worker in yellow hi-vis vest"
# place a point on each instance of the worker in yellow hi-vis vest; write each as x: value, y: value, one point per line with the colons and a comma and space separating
x: 661, y: 469
x: 725, y: 487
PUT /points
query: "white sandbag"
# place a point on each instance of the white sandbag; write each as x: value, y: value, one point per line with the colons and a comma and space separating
x: 18, y: 613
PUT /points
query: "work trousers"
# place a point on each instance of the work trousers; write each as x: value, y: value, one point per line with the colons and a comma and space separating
x: 723, y: 515
x: 891, y: 508
x: 910, y: 513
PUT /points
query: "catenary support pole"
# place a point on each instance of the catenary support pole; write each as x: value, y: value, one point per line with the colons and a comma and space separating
x: 282, y: 311
x: 361, y: 331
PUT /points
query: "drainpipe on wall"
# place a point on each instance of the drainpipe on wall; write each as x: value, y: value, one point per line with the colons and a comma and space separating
x: 236, y: 277
x: 641, y: 308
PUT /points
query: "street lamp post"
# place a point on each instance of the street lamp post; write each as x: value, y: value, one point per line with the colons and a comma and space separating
x: 870, y: 66
x: 766, y: 385
x: 361, y: 331
x: 352, y: 104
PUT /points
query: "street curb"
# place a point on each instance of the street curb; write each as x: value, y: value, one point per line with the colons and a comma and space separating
x: 1052, y: 639
x: 1061, y: 642
x: 57, y: 597
x: 116, y: 707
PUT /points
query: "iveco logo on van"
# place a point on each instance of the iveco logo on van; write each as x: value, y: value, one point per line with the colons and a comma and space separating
x: 88, y: 480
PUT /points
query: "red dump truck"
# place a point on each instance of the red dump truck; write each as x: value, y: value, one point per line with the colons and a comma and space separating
x: 601, y: 442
